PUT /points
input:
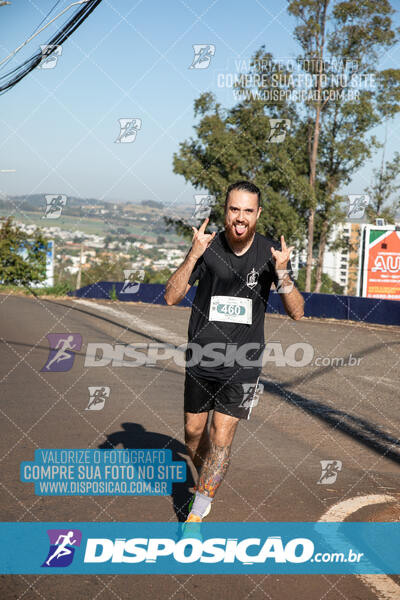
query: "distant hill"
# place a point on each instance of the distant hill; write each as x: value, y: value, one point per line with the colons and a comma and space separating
x: 152, y: 204
x: 36, y: 202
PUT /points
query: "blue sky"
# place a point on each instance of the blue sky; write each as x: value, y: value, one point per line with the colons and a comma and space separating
x: 129, y: 60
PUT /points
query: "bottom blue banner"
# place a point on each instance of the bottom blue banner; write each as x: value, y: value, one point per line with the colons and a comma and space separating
x: 209, y: 548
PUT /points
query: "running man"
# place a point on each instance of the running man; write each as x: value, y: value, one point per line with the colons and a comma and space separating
x: 235, y: 269
x: 62, y: 346
x: 62, y: 549
x: 98, y: 396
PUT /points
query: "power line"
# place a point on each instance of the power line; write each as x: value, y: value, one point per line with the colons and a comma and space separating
x: 9, y: 58
x: 46, y: 17
x: 11, y: 78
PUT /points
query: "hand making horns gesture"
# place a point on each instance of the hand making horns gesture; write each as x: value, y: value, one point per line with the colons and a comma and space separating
x: 201, y: 240
x: 282, y: 256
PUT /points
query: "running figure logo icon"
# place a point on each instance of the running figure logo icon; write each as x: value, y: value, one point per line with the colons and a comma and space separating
x: 50, y: 54
x: 132, y: 281
x: 62, y: 351
x: 278, y: 129
x: 251, y: 394
x: 203, y: 205
x: 54, y: 205
x: 330, y: 470
x: 62, y: 547
x: 97, y: 397
x: 357, y: 205
x: 202, y: 55
x: 128, y: 130
x: 252, y: 278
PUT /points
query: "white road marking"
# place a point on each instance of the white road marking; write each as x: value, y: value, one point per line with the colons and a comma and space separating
x: 342, y: 510
x: 136, y: 322
x: 382, y: 585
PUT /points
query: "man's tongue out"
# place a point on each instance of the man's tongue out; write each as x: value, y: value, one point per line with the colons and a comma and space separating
x: 239, y: 229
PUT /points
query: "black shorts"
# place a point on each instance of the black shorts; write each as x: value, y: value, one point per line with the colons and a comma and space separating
x: 235, y: 399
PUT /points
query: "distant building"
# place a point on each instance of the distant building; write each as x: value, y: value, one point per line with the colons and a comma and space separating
x: 298, y: 260
x: 342, y: 265
x: 142, y: 245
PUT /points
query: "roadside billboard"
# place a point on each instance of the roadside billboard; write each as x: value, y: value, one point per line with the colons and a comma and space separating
x: 380, y: 262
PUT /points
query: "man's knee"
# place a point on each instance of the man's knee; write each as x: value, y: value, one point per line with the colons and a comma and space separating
x: 223, y: 429
x: 195, y: 425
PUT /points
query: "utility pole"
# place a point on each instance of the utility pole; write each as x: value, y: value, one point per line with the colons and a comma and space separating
x: 79, y: 276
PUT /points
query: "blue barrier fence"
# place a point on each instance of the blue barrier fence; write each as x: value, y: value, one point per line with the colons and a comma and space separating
x: 328, y: 306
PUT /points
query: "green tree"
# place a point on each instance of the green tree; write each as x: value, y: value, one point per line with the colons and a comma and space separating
x: 330, y: 135
x: 22, y: 256
x: 357, y: 34
x: 157, y: 276
x: 381, y: 190
x: 328, y: 286
x: 107, y: 240
x: 105, y: 270
x: 231, y: 144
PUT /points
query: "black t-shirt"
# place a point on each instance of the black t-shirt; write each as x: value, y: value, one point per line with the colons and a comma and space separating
x: 222, y: 273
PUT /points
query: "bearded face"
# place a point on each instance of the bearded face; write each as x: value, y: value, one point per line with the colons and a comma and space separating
x: 241, y: 217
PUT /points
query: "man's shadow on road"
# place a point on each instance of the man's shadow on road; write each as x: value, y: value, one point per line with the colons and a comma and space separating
x: 135, y: 436
x: 358, y: 428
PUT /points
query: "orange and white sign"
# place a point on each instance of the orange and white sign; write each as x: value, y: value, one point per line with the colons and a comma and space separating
x: 382, y: 264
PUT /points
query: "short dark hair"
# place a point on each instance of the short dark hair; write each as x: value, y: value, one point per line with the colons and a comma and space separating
x: 246, y: 186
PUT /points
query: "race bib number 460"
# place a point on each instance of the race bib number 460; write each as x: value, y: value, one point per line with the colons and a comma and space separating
x: 231, y: 309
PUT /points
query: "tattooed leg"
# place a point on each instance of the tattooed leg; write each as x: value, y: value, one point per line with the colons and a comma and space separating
x: 213, y: 470
x: 216, y: 464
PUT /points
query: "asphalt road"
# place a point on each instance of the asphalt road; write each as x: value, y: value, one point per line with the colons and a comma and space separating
x: 307, y: 414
